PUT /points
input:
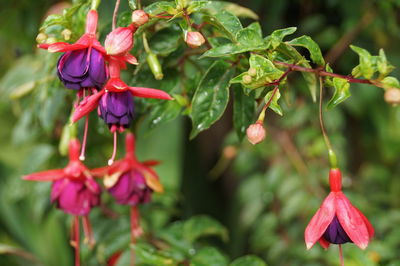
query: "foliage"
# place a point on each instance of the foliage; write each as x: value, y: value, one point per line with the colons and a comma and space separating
x: 260, y: 197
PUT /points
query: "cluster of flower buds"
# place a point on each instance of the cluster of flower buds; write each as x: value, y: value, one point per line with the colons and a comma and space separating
x: 94, y: 72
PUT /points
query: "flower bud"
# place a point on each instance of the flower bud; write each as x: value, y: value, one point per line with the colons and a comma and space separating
x: 252, y: 72
x: 51, y: 40
x: 41, y: 37
x: 155, y: 66
x: 247, y: 79
x: 392, y: 96
x: 119, y: 41
x: 255, y: 133
x: 139, y: 18
x: 66, y: 33
x: 194, y: 39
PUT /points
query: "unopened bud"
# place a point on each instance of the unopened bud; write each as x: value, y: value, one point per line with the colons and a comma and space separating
x: 252, y: 72
x: 255, y: 133
x: 66, y: 33
x: 392, y: 96
x: 155, y: 66
x: 139, y: 18
x: 41, y: 37
x: 119, y: 41
x: 194, y: 39
x: 246, y: 79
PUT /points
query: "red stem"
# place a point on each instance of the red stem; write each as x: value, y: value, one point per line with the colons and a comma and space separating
x: 323, y: 73
x: 341, y: 255
x: 76, y: 240
x: 135, y: 229
x: 114, y: 20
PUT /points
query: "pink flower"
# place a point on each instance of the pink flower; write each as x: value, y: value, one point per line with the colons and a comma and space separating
x: 337, y: 221
x: 74, y: 190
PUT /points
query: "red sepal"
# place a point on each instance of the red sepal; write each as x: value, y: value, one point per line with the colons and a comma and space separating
x: 151, y: 163
x: 320, y: 221
x: 351, y: 221
x: 86, y: 106
x: 149, y: 93
x: 49, y: 175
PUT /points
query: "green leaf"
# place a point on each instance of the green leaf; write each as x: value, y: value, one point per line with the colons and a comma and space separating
x: 342, y: 92
x: 165, y: 41
x: 215, y: 7
x: 249, y: 260
x: 243, y: 111
x: 255, y: 26
x: 390, y: 82
x: 384, y: 67
x: 195, y: 6
x: 164, y: 112
x: 248, y: 39
x: 264, y: 70
x: 311, y: 46
x: 209, y: 256
x: 277, y: 36
x: 211, y: 96
x: 146, y: 254
x: 161, y: 6
x: 226, y: 22
x: 52, y: 20
x: 200, y: 226
x: 310, y: 78
x: 365, y: 67
x: 274, y: 105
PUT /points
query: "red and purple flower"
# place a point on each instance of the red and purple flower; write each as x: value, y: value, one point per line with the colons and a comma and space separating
x: 74, y: 190
x: 129, y: 181
x: 337, y: 221
x: 116, y: 109
x: 82, y: 65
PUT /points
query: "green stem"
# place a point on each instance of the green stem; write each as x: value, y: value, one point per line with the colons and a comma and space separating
x: 95, y: 4
x: 331, y: 153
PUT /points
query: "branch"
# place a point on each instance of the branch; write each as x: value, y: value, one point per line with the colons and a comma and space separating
x: 324, y: 73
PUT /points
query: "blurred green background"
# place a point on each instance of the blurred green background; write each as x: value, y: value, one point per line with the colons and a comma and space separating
x: 263, y: 195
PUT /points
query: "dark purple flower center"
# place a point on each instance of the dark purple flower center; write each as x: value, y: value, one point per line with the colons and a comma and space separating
x: 116, y: 108
x: 131, y: 189
x: 335, y: 233
x: 83, y: 68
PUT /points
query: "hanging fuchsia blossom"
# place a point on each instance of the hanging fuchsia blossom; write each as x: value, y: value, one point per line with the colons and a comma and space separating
x: 128, y: 180
x: 116, y: 110
x: 74, y: 190
x: 82, y: 65
x: 337, y: 221
x: 131, y: 182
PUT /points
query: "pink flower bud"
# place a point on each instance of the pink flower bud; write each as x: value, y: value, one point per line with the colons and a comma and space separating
x: 120, y: 40
x: 194, y: 39
x: 392, y: 96
x: 139, y: 18
x: 255, y: 133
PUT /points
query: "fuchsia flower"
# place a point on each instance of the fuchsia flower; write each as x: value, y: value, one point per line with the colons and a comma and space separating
x: 82, y: 65
x: 129, y: 181
x: 74, y: 190
x: 116, y: 110
x: 337, y: 221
